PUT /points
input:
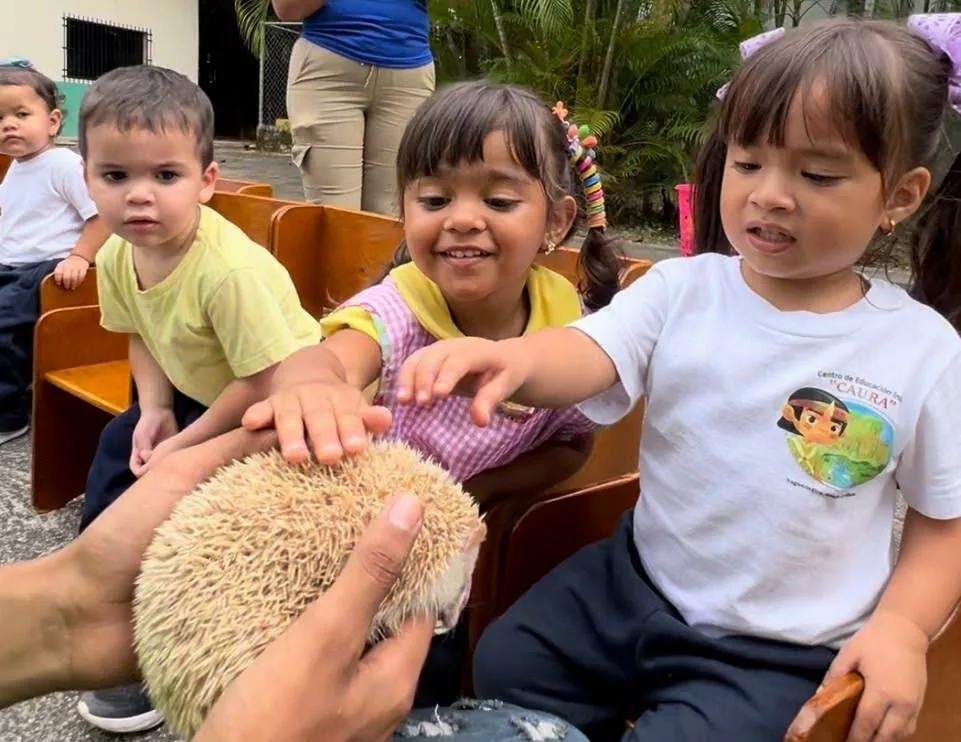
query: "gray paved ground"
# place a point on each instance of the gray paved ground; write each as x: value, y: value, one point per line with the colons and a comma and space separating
x: 24, y: 534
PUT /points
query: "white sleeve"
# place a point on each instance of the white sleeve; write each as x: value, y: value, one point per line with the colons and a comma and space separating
x: 929, y: 471
x: 626, y: 330
x: 69, y: 182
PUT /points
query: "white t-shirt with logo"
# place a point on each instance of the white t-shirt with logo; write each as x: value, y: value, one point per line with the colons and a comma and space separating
x: 774, y: 443
x: 44, y: 204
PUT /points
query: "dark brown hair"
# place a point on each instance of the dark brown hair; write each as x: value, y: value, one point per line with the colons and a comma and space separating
x: 38, y: 82
x: 450, y: 127
x: 887, y: 95
x: 151, y: 98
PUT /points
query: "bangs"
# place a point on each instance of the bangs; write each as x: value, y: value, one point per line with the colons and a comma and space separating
x: 451, y: 126
x: 843, y: 74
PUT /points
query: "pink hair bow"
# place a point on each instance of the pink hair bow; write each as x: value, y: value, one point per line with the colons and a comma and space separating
x: 748, y: 47
x: 943, y: 32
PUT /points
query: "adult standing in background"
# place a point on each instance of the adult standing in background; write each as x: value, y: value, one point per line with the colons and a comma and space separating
x: 357, y: 73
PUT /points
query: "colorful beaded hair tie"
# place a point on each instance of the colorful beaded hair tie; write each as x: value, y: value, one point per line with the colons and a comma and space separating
x: 580, y: 151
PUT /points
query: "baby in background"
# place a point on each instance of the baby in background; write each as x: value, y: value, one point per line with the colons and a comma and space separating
x: 48, y: 224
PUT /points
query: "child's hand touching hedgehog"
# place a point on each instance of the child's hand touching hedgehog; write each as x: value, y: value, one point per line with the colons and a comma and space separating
x: 243, y: 555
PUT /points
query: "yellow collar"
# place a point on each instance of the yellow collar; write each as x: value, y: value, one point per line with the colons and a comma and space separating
x: 554, y: 300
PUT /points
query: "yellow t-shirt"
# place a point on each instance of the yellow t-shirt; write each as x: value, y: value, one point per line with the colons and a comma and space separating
x: 554, y: 303
x: 227, y: 311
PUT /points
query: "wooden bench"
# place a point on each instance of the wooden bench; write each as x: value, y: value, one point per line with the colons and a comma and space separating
x: 331, y: 252
x: 80, y: 378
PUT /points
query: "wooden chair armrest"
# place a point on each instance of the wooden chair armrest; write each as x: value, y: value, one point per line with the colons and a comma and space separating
x: 827, y: 715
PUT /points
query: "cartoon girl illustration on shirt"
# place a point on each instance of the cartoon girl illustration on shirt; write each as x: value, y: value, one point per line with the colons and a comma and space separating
x: 839, y: 443
x: 815, y: 415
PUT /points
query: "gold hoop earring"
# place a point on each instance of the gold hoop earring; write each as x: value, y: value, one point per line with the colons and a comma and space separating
x: 890, y: 227
x: 550, y: 247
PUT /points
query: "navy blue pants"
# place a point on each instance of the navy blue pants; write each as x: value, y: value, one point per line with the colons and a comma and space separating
x: 19, y: 309
x: 110, y: 475
x: 595, y: 643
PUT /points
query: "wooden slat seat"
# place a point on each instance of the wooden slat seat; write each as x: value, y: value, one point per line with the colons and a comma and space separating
x: 104, y: 385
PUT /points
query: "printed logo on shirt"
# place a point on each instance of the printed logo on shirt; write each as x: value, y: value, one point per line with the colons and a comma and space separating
x: 841, y: 440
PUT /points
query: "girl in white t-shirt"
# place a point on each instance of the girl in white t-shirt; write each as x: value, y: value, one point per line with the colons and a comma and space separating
x: 788, y: 400
x: 48, y: 224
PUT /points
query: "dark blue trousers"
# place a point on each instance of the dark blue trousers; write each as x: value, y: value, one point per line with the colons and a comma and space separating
x: 110, y: 475
x: 19, y: 309
x: 595, y: 643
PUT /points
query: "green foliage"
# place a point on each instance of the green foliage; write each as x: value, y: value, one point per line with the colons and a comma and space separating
x: 649, y: 106
x: 251, y: 15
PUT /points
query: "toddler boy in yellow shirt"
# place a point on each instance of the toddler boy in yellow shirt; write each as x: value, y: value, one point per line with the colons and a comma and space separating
x: 209, y: 313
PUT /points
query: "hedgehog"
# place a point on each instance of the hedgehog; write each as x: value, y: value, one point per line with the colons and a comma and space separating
x: 247, y: 551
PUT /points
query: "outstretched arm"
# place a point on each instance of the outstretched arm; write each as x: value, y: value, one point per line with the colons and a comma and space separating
x: 554, y: 367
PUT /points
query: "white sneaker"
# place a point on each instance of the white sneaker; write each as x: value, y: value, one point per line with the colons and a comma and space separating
x: 11, y: 435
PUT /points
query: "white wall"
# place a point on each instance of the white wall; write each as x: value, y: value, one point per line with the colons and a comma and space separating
x: 173, y: 24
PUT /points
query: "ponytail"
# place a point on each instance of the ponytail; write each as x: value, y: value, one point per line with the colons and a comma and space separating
x: 936, y: 249
x: 708, y: 175
x: 600, y: 264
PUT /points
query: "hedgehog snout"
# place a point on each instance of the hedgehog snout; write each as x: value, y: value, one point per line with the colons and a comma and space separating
x: 454, y: 587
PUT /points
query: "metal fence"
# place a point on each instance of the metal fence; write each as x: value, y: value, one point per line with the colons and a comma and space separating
x: 278, y: 42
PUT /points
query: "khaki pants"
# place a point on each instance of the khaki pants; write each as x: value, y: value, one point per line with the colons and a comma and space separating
x: 346, y: 121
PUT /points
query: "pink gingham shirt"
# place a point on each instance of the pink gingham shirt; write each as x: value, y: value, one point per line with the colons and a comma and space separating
x: 444, y: 430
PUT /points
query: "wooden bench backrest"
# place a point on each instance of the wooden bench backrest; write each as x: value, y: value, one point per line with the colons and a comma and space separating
x: 5, y: 161
x: 332, y: 253
x: 54, y: 297
x: 248, y: 187
x: 554, y: 529
x: 253, y: 214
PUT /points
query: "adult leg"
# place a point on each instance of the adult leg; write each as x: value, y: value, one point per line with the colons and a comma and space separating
x: 395, y: 97
x: 326, y: 98
x: 569, y: 645
x: 704, y: 689
x: 19, y: 309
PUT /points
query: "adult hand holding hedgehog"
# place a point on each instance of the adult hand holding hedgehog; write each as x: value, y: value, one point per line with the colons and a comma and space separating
x: 68, y: 619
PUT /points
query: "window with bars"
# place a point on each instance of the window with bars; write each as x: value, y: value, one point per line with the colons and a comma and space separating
x: 92, y: 48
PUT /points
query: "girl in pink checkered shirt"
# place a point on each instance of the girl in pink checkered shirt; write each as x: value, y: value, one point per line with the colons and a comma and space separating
x: 487, y: 175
